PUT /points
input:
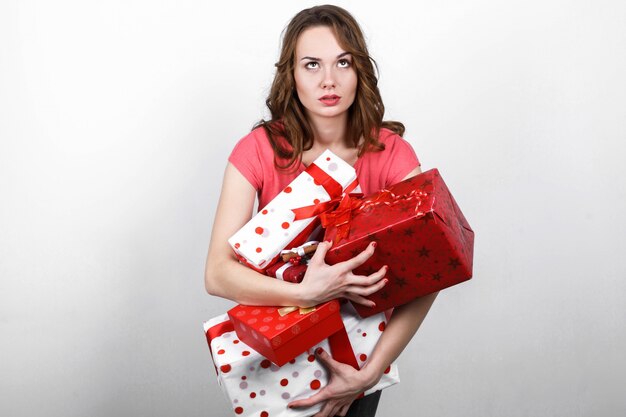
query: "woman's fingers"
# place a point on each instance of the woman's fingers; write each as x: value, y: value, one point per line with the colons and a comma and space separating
x: 327, y: 360
x: 366, y: 291
x: 360, y: 300
x: 327, y: 410
x: 360, y: 259
x: 320, y: 253
x: 322, y: 395
x: 334, y: 410
x: 366, y: 280
x: 367, y: 285
x: 344, y: 410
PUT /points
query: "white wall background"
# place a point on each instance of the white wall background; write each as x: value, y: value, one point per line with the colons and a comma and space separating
x: 116, y: 119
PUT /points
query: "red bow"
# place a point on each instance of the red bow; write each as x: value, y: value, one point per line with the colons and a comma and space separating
x: 332, y: 187
x: 341, y: 216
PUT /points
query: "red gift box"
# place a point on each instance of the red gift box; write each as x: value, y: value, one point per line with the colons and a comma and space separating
x: 282, y: 338
x: 421, y: 235
x: 287, y: 271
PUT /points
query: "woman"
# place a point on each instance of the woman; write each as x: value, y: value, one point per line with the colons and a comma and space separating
x: 324, y: 96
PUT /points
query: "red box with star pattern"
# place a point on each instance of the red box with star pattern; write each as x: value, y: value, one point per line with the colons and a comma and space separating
x: 282, y: 338
x: 421, y: 235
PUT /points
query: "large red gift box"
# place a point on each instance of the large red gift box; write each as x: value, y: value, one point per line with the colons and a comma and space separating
x: 421, y: 235
x: 280, y: 338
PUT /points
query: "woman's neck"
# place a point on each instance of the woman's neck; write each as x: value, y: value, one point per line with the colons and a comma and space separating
x: 330, y: 132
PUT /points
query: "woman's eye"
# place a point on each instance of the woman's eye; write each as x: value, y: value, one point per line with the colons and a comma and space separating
x: 344, y: 63
x: 311, y: 65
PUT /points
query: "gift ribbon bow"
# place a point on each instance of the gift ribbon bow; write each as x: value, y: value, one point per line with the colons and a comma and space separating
x: 341, y: 215
x: 283, y: 311
x: 332, y: 188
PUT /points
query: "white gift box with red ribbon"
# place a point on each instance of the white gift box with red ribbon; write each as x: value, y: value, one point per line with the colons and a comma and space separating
x: 259, y: 242
x: 256, y: 387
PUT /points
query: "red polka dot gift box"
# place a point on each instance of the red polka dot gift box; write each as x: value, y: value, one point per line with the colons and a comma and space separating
x: 421, y: 235
x: 281, y: 334
x: 259, y: 242
x: 256, y: 387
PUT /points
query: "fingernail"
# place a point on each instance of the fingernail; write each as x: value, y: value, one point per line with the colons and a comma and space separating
x: 374, y: 244
x: 385, y: 281
x: 319, y: 350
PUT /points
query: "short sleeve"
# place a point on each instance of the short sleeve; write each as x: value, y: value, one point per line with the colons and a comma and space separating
x: 401, y: 159
x: 246, y: 158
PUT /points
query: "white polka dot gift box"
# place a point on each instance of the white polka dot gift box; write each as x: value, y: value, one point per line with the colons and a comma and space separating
x: 259, y: 242
x: 257, y: 388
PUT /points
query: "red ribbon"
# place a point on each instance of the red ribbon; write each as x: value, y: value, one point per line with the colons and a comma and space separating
x: 216, y: 331
x: 388, y: 198
x: 219, y: 329
x: 341, y: 349
x: 341, y: 216
x: 332, y: 188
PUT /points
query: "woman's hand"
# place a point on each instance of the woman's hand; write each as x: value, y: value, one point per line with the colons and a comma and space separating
x: 323, y: 282
x: 344, y: 386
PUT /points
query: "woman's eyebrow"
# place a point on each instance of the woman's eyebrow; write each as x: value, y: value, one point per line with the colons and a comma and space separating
x: 320, y: 59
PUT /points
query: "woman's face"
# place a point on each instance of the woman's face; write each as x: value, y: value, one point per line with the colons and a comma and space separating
x: 325, y: 79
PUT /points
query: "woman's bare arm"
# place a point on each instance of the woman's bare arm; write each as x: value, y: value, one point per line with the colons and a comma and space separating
x: 224, y: 275
x: 401, y: 328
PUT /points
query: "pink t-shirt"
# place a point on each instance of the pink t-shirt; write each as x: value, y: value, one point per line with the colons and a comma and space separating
x: 253, y: 156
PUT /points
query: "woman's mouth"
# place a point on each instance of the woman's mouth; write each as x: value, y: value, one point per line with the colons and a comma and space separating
x: 330, y: 100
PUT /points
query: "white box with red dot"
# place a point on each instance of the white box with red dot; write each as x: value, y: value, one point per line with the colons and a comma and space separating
x: 259, y: 242
x: 256, y: 387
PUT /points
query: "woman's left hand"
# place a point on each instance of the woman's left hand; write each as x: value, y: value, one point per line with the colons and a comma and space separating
x: 344, y: 386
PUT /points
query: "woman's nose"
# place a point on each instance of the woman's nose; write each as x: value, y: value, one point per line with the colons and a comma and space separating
x: 329, y: 79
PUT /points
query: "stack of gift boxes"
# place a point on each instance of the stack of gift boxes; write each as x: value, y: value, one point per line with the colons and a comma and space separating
x: 263, y: 355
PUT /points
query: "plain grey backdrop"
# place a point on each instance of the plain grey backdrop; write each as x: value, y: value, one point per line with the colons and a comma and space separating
x: 116, y: 119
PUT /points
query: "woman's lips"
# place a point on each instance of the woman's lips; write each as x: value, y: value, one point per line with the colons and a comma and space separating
x: 330, y: 100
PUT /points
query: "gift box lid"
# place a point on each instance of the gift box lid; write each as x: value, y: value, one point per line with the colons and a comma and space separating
x: 278, y: 329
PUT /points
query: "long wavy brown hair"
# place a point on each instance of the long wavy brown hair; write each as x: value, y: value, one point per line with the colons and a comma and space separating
x: 288, y: 116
